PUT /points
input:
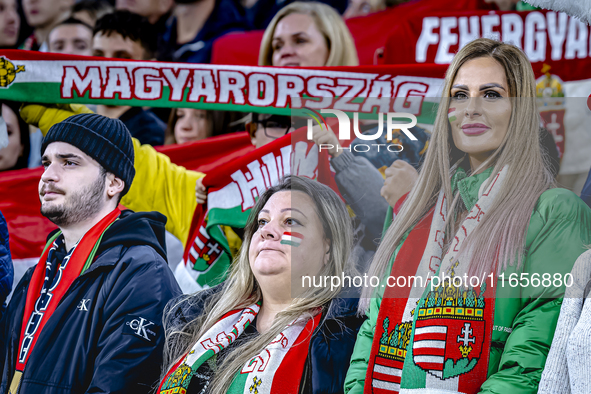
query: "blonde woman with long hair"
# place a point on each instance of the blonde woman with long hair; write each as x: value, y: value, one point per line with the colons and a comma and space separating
x: 490, y: 236
x: 263, y: 330
x: 307, y: 34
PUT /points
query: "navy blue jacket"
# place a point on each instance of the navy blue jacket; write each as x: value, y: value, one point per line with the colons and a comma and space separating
x: 144, y: 125
x: 105, y: 335
x: 263, y: 11
x: 330, y: 348
x: 227, y: 16
x: 6, y: 267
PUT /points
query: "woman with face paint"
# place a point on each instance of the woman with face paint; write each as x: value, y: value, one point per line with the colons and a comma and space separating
x: 488, y: 234
x: 265, y: 330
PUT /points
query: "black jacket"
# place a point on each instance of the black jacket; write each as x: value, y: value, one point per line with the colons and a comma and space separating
x: 144, y: 125
x: 105, y: 335
x: 330, y: 348
x: 6, y: 267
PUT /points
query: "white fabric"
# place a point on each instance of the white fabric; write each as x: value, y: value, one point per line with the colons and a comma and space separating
x: 185, y: 280
x: 568, y: 364
x: 578, y: 8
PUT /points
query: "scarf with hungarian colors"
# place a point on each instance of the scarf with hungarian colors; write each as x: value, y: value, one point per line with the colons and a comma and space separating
x: 435, y: 337
x: 275, y: 370
x: 49, y: 284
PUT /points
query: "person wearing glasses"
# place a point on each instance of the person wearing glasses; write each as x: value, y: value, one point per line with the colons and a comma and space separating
x: 265, y: 128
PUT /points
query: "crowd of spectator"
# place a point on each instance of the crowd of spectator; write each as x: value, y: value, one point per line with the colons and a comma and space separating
x: 297, y: 34
x: 165, y: 196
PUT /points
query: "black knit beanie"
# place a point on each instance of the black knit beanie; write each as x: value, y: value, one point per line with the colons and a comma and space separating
x: 105, y: 140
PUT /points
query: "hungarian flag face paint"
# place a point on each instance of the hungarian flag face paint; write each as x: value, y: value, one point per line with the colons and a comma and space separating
x: 451, y: 114
x: 293, y: 239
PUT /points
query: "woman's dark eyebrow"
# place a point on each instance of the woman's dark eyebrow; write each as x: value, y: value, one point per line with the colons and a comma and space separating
x: 285, y: 209
x: 294, y: 209
x: 482, y: 87
x: 491, y: 85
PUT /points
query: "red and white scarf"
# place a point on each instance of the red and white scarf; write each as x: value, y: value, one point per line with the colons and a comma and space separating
x: 275, y: 370
x: 422, y: 344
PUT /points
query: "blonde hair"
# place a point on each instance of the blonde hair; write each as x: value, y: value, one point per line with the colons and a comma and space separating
x: 241, y: 288
x: 341, y: 47
x: 500, y: 237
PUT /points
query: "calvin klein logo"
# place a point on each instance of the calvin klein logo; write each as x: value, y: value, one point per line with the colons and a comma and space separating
x: 141, y: 327
x: 83, y: 305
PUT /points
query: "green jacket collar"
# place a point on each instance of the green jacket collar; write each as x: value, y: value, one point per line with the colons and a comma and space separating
x: 469, y: 185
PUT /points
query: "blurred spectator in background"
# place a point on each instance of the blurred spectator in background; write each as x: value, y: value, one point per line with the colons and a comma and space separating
x: 156, y: 12
x: 189, y: 124
x: 72, y: 37
x: 125, y: 35
x: 195, y: 25
x: 363, y: 7
x: 6, y: 267
x: 307, y: 34
x: 265, y: 128
x: 260, y: 12
x: 16, y: 155
x: 42, y: 16
x: 90, y: 11
x: 9, y: 24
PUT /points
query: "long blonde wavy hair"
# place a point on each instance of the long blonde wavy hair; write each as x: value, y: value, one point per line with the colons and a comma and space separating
x: 341, y: 47
x: 241, y: 289
x: 499, y: 239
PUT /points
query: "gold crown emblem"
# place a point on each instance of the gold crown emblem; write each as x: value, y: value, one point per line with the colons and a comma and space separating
x: 393, y: 343
x: 449, y: 301
x: 8, y: 72
x: 549, y: 85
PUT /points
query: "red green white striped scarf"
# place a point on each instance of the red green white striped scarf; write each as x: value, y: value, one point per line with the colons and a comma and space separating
x: 43, y: 297
x: 275, y: 370
x: 426, y: 341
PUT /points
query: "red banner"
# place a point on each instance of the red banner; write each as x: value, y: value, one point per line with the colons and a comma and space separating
x: 547, y: 37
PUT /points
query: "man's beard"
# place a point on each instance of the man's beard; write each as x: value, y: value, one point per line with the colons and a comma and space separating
x: 79, y: 206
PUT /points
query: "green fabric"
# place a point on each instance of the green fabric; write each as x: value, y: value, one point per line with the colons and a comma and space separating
x: 525, y: 318
x: 90, y: 258
x: 523, y: 6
